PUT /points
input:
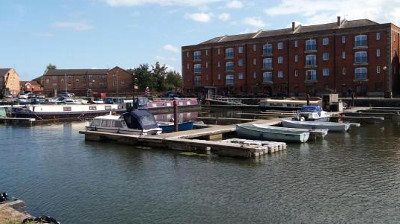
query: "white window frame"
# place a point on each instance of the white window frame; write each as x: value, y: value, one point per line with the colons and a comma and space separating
x: 296, y: 73
x: 229, y: 52
x: 343, y: 39
x: 254, y: 75
x: 280, y: 45
x: 325, y: 72
x: 280, y: 74
x: 361, y: 73
x: 230, y: 79
x: 280, y: 60
x: 197, y: 55
x: 311, y: 58
x: 378, y: 52
x: 296, y: 44
x: 325, y: 41
x: 378, y: 36
x: 197, y: 68
x: 343, y: 54
x: 254, y: 61
x: 361, y: 40
x: 229, y: 66
x: 240, y: 49
x: 311, y: 75
x: 267, y: 77
x: 325, y: 56
x: 296, y: 58
x: 267, y: 49
x: 240, y: 76
x: 266, y: 62
x: 240, y: 62
x: 360, y: 57
x: 254, y: 47
x: 378, y: 69
x: 311, y: 45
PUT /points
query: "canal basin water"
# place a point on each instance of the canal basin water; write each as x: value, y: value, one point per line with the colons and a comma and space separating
x: 348, y: 177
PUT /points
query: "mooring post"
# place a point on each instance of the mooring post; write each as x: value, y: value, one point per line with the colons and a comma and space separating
x: 175, y: 115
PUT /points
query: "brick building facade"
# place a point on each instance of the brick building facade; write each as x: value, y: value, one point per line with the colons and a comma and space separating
x: 9, y: 81
x: 115, y: 82
x: 359, y: 56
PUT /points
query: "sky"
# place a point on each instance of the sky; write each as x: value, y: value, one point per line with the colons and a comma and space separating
x: 77, y: 34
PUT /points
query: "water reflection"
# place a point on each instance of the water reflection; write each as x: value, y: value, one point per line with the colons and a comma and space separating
x: 347, y: 177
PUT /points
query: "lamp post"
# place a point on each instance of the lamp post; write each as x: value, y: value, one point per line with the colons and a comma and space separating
x: 386, y: 92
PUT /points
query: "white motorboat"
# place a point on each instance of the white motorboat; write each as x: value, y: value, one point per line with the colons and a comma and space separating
x: 313, y: 113
x: 267, y: 132
x: 331, y: 126
x: 137, y: 122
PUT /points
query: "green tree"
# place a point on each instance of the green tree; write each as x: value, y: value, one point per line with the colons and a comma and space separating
x: 173, y: 80
x: 51, y: 66
x: 160, y: 74
x: 144, y: 77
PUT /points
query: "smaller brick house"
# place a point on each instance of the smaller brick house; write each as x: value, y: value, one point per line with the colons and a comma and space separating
x: 31, y: 86
x: 9, y: 81
x: 114, y: 82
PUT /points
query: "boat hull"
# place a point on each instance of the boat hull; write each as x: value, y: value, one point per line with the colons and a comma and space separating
x: 331, y: 126
x: 250, y: 131
x: 181, y: 126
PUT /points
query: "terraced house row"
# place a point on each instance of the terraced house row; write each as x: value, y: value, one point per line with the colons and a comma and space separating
x: 358, y: 56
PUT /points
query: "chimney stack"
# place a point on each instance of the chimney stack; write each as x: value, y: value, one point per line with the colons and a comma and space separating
x: 293, y: 25
x: 338, y: 21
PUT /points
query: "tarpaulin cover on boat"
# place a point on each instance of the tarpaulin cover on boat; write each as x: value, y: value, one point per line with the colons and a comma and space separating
x: 140, y: 119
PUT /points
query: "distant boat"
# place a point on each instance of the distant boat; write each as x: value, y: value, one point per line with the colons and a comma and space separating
x: 267, y: 132
x: 137, y: 122
x: 331, y: 126
x: 286, y: 104
x: 52, y: 111
x: 169, y: 126
x: 313, y: 113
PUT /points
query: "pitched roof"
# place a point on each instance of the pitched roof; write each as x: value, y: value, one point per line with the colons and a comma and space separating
x: 76, y: 72
x: 3, y: 71
x: 288, y: 31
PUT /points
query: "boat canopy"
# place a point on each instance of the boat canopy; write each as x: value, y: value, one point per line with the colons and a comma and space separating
x: 140, y: 119
x: 312, y: 108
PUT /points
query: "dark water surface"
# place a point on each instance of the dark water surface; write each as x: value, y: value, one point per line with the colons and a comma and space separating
x: 347, y: 178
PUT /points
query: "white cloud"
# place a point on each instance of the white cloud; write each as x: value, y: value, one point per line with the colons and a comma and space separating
x: 170, y: 68
x: 160, y: 2
x: 235, y: 4
x: 224, y: 16
x: 171, y: 48
x: 321, y: 11
x: 199, y: 17
x: 255, y: 22
x: 76, y: 26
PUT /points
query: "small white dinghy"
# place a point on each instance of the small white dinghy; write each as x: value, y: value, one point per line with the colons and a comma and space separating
x: 331, y: 126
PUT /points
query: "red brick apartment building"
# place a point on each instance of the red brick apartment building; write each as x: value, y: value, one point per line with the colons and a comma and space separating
x: 116, y: 81
x: 358, y: 56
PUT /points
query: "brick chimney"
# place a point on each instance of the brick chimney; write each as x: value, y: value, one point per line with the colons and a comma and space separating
x: 293, y: 25
x: 338, y: 21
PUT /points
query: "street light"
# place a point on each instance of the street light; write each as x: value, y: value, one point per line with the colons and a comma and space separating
x: 386, y: 93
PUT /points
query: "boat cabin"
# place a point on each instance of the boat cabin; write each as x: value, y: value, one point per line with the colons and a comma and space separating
x: 139, y: 122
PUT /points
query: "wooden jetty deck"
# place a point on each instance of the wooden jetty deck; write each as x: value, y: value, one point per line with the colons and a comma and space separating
x: 17, y: 121
x: 205, y: 139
